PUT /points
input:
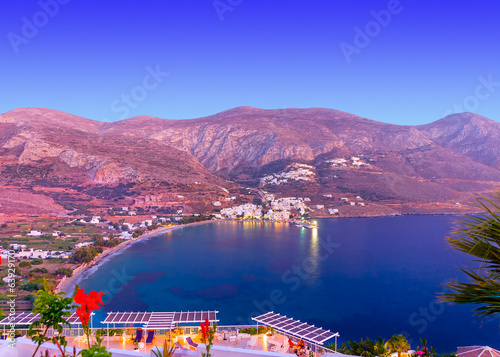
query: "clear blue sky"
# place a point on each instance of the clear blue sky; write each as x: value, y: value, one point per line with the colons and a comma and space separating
x: 93, y: 58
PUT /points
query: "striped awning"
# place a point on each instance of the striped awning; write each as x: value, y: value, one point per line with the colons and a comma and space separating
x: 295, y: 327
x: 127, y: 317
x: 160, y: 320
x: 27, y: 318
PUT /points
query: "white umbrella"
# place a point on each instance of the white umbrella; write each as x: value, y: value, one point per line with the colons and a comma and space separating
x: 477, y: 351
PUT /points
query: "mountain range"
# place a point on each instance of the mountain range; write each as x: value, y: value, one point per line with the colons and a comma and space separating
x: 66, y: 159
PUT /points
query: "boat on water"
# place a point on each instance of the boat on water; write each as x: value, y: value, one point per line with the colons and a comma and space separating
x: 311, y: 225
x: 306, y: 224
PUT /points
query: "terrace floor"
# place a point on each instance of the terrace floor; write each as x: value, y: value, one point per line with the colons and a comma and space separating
x: 262, y: 344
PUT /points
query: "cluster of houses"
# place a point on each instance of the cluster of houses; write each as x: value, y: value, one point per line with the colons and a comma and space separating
x: 345, y: 200
x: 21, y: 252
x: 280, y: 209
x: 218, y: 203
x: 298, y: 172
x: 35, y: 233
x: 351, y: 162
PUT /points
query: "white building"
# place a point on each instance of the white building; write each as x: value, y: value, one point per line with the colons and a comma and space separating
x: 216, y: 204
x: 35, y: 233
x: 32, y: 254
x: 125, y: 235
x: 16, y: 247
x: 83, y: 244
x: 146, y: 223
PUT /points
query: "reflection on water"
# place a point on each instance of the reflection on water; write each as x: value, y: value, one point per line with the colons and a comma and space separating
x: 376, y: 281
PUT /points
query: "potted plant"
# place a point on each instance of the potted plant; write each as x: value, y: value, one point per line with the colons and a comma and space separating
x: 167, y: 352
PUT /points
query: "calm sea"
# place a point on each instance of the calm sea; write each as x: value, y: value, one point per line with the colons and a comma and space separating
x: 361, y: 277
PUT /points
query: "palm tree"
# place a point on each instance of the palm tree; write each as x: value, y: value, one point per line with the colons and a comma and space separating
x: 351, y: 347
x: 398, y: 343
x: 365, y: 348
x: 480, y: 237
x: 381, y: 347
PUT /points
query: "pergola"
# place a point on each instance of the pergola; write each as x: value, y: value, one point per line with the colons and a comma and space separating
x: 296, y: 328
x: 27, y: 318
x: 159, y: 320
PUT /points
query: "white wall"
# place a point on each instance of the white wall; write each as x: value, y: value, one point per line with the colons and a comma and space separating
x: 26, y: 347
x: 223, y: 351
x: 122, y: 353
x: 5, y: 350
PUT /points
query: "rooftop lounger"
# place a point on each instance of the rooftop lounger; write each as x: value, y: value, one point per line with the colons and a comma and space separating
x: 253, y: 342
x: 138, y: 337
x: 178, y: 345
x: 191, y: 343
x: 151, y: 335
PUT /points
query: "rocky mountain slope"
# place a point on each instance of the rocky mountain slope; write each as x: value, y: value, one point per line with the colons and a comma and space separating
x: 64, y: 146
x: 446, y: 160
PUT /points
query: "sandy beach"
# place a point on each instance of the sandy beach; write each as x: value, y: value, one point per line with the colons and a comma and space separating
x: 67, y: 285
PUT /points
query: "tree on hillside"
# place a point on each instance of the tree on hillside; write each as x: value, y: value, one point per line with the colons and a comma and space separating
x: 480, y: 237
x: 25, y: 264
x: 398, y: 343
x: 65, y: 271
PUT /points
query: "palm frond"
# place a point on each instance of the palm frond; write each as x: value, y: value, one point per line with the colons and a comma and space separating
x: 478, y: 236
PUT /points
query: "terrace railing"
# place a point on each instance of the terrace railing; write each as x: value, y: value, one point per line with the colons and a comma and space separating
x: 188, y: 330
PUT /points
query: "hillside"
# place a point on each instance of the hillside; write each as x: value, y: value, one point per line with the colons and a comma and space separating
x: 408, y: 166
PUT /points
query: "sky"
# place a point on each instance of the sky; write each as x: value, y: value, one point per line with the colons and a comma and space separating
x: 405, y: 62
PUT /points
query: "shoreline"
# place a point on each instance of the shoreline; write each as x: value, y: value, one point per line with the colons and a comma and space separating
x: 67, y: 285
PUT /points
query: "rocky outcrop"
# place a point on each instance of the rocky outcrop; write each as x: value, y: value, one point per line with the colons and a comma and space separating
x: 457, y: 153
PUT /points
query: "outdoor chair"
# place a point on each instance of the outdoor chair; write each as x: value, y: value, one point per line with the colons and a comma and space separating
x: 151, y: 336
x: 191, y: 343
x: 253, y: 342
x: 138, y: 337
x: 179, y: 346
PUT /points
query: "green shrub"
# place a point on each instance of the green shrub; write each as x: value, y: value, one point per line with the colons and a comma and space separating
x: 25, y: 265
x: 65, y: 271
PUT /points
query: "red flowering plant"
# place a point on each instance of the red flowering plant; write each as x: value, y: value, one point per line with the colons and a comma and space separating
x: 88, y: 303
x: 208, y: 334
x: 424, y: 351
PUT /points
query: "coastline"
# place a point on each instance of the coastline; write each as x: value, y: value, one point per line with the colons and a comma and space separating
x: 67, y: 285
